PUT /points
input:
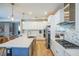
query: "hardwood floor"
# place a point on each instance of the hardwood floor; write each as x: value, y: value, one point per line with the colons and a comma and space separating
x: 41, y: 50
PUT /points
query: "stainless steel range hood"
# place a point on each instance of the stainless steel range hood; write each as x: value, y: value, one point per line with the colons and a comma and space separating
x: 67, y: 24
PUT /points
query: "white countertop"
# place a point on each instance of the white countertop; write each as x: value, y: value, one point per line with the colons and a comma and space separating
x: 22, y: 41
x: 40, y: 38
x: 73, y: 52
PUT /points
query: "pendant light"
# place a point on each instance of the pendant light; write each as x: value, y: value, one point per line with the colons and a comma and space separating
x: 12, y: 16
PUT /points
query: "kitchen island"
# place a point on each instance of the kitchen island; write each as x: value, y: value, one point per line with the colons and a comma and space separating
x: 21, y: 46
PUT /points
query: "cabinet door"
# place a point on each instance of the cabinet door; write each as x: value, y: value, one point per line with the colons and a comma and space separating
x: 52, y: 47
x: 20, y: 51
x: 66, y: 54
x: 59, y: 51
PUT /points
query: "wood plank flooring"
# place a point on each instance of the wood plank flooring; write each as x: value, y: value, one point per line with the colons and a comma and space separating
x: 41, y: 50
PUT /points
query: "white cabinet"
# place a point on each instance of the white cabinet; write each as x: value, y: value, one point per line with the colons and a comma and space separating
x: 57, y: 49
x: 53, y: 20
x: 34, y: 33
x: 56, y: 18
x: 59, y: 16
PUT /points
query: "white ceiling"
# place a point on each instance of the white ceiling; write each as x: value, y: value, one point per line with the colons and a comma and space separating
x: 37, y: 9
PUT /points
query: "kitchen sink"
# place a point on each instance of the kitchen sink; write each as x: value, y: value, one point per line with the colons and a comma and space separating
x: 67, y: 44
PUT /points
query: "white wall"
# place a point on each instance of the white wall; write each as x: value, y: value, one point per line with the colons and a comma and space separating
x: 36, y: 25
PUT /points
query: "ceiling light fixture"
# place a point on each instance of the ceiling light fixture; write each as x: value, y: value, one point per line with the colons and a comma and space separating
x: 12, y: 16
x: 23, y: 15
x: 30, y: 13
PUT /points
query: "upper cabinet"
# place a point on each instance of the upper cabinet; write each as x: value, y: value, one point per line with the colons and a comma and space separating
x: 69, y: 11
x: 59, y: 16
x: 56, y: 18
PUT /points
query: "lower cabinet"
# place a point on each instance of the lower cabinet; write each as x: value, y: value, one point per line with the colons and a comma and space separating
x: 20, y: 51
x: 58, y: 50
x: 17, y: 51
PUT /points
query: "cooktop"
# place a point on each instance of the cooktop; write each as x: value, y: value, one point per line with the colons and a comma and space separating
x: 67, y: 44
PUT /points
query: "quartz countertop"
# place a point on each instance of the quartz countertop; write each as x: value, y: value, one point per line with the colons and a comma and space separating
x: 21, y: 41
x: 73, y: 52
x: 40, y: 38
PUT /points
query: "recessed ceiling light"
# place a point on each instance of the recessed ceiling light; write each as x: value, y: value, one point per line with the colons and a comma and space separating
x: 30, y: 13
x: 45, y: 12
